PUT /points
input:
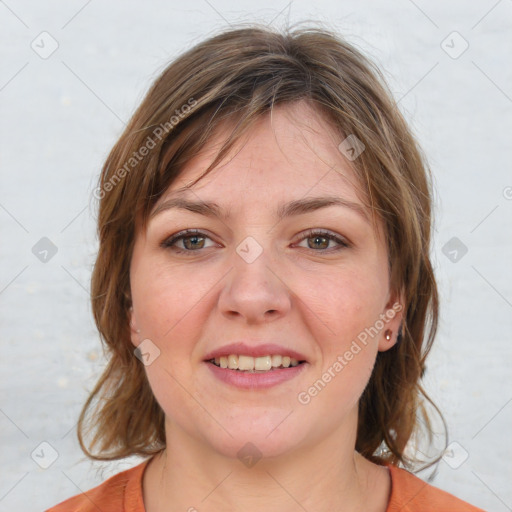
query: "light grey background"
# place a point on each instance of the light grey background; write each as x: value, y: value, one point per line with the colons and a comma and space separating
x: 61, y: 114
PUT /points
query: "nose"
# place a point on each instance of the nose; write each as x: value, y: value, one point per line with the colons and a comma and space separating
x: 256, y: 292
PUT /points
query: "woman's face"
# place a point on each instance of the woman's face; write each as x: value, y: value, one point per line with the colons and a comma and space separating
x: 253, y: 277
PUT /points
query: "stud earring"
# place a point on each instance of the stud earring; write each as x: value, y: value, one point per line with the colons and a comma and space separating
x: 388, y: 334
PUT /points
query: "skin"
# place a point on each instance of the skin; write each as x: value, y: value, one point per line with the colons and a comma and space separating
x: 299, y: 292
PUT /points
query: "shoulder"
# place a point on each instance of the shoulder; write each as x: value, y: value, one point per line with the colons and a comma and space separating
x: 411, y: 494
x: 120, y: 493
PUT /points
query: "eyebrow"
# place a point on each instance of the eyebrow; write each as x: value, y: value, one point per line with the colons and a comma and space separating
x: 296, y: 207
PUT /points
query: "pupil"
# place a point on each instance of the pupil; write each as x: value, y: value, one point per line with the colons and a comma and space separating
x: 192, y: 238
x: 316, y: 238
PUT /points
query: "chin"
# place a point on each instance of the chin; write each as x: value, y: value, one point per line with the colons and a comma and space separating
x: 257, y: 435
x: 251, y: 447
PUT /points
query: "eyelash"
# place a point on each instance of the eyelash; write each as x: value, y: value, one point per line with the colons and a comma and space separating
x: 188, y: 233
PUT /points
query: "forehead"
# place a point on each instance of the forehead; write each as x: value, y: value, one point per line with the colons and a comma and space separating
x: 289, y: 153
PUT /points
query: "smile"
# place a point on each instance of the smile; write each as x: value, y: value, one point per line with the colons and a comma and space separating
x: 249, y: 376
x: 245, y: 363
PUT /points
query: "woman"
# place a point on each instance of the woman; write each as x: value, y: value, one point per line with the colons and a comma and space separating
x: 264, y: 287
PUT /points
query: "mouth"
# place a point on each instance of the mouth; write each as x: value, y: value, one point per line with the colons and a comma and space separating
x: 248, y: 364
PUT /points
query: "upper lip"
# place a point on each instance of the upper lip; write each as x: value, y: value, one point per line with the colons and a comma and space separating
x: 263, y: 349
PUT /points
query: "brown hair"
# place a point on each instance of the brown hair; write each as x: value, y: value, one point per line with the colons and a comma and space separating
x: 238, y: 76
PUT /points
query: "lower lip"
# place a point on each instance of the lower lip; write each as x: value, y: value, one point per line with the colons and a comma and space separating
x: 247, y: 380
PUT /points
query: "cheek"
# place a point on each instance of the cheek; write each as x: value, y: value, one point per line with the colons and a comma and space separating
x: 165, y: 298
x: 346, y: 303
x: 170, y: 312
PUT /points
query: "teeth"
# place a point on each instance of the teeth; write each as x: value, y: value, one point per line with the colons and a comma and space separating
x: 245, y: 363
x: 263, y: 363
x: 233, y: 362
x: 277, y: 360
x: 248, y: 363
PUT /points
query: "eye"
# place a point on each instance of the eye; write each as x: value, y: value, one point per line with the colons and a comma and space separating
x: 193, y: 240
x: 322, y: 238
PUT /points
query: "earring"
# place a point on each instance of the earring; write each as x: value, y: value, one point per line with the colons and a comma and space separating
x: 388, y: 334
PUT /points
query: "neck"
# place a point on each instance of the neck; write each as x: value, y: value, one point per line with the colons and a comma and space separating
x: 327, y: 476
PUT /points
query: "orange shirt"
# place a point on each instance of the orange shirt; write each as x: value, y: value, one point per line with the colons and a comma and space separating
x: 123, y: 493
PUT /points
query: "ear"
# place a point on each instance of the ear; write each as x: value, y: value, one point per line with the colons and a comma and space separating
x: 393, y: 316
x: 134, y: 330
